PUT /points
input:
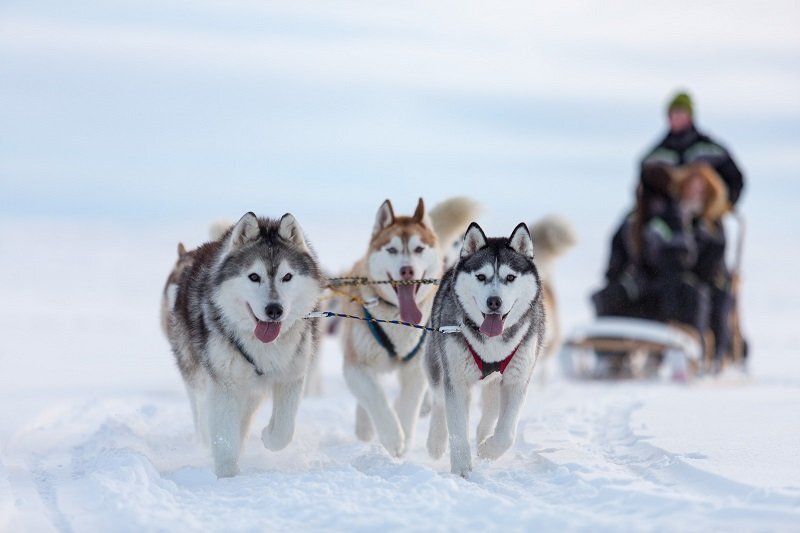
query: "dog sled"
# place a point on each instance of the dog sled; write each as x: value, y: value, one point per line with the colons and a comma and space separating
x: 633, y: 348
x: 618, y: 348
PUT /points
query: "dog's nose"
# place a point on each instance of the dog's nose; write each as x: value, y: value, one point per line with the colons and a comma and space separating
x: 407, y: 272
x: 274, y: 311
x: 494, y: 303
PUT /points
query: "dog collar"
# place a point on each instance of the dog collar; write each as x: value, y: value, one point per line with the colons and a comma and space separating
x: 488, y: 368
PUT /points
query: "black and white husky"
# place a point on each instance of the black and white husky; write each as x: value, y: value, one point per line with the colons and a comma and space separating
x: 236, y: 327
x: 494, y: 294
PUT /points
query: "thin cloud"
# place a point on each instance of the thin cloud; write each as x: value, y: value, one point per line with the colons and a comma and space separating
x: 624, y: 53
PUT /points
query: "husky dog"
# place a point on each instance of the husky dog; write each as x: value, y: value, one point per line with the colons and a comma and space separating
x: 495, y: 295
x: 552, y: 236
x: 401, y: 248
x: 237, y: 330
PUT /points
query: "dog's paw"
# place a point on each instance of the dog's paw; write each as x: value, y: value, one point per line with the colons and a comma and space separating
x: 437, y: 442
x: 494, y: 446
x: 275, y: 440
x: 226, y: 469
x: 460, y: 468
x: 394, y: 441
x: 460, y: 460
x: 395, y: 448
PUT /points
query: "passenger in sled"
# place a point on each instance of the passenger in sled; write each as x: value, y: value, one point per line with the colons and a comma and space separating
x: 652, y: 253
x: 667, y: 260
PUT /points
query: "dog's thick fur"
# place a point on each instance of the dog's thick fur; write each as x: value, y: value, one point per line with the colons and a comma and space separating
x: 237, y: 330
x: 495, y: 293
x: 401, y: 247
x: 450, y: 220
x: 552, y: 236
x: 170, y: 292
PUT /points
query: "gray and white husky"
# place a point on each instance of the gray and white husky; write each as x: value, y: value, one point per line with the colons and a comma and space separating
x: 494, y: 294
x: 237, y: 330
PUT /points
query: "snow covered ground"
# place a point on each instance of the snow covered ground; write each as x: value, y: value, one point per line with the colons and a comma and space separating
x: 96, y: 431
x: 127, y: 126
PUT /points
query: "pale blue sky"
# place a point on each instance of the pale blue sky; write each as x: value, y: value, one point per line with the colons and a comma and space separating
x: 170, y: 109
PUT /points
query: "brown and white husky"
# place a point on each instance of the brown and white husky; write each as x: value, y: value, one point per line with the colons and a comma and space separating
x: 401, y: 248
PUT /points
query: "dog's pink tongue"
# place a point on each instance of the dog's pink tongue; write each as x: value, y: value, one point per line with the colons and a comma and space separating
x: 409, y: 312
x: 267, y: 331
x: 492, y: 325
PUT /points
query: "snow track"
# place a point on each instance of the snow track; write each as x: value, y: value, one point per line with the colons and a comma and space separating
x: 132, y: 464
x: 96, y: 432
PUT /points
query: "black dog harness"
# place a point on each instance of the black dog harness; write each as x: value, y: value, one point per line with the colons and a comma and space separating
x: 247, y: 356
x: 216, y: 316
x: 386, y: 343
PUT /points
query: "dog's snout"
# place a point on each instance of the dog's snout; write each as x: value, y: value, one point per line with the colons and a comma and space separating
x: 274, y: 311
x: 407, y: 272
x: 494, y: 303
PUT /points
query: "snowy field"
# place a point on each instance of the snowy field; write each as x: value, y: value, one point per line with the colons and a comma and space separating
x: 97, y: 433
x: 126, y: 127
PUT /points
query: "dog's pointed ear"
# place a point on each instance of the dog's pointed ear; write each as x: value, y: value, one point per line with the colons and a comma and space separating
x: 421, y: 216
x: 181, y: 250
x: 245, y: 231
x: 384, y: 218
x: 520, y: 241
x: 419, y: 212
x: 290, y: 230
x: 474, y: 240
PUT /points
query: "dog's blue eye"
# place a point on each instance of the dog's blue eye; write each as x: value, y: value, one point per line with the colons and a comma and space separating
x: 287, y: 277
x: 254, y: 277
x: 392, y: 250
x: 481, y: 277
x: 511, y: 277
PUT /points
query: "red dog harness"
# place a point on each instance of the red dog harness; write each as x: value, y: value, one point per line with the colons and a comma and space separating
x: 488, y: 368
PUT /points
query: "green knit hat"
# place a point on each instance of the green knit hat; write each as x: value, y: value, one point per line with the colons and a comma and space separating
x: 681, y: 101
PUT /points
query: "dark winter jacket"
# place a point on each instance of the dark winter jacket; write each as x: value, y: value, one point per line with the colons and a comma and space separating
x: 690, y: 145
x: 666, y: 251
x: 710, y: 265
